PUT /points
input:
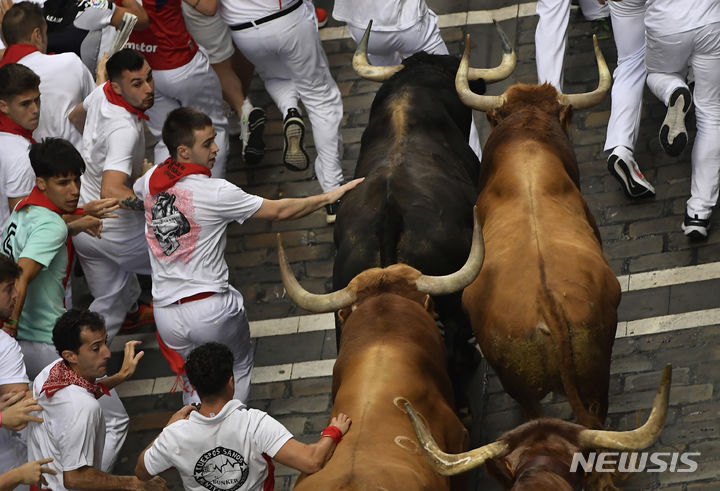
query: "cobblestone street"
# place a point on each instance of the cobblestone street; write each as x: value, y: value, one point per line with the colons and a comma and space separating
x: 670, y: 310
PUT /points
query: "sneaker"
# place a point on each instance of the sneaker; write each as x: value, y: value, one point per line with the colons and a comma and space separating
x: 331, y: 210
x: 234, y: 123
x: 695, y: 228
x: 602, y: 28
x: 673, y: 134
x: 622, y: 165
x: 254, y: 146
x: 142, y: 317
x: 294, y: 155
x: 322, y: 17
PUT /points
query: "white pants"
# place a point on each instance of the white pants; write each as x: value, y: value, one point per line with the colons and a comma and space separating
x: 629, y: 76
x: 391, y: 47
x: 110, y: 269
x: 551, y: 36
x: 667, y: 63
x: 289, y: 57
x: 220, y: 318
x: 195, y: 85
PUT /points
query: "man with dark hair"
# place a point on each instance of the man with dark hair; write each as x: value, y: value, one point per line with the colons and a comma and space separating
x: 73, y: 430
x: 187, y: 214
x: 114, y: 148
x: 19, y: 116
x: 64, y: 80
x: 200, y: 444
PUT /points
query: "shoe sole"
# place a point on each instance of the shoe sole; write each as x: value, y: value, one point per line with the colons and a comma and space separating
x: 694, y: 231
x: 294, y: 155
x: 255, y: 147
x: 618, y: 168
x: 675, y: 121
x: 330, y: 219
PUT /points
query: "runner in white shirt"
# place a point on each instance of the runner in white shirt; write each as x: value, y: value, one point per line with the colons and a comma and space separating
x: 226, y: 445
x: 281, y: 39
x: 19, y: 116
x: 113, y: 149
x: 73, y: 429
x: 64, y: 80
x: 681, y: 33
x: 187, y: 213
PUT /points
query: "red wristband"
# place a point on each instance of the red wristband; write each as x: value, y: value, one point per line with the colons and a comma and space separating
x: 333, y: 432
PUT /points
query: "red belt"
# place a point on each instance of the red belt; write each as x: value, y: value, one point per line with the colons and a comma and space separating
x: 192, y: 298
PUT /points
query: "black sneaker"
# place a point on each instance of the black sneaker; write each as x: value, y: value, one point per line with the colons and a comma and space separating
x: 331, y: 210
x: 695, y: 228
x: 673, y: 134
x: 255, y: 146
x: 622, y: 165
x: 294, y: 155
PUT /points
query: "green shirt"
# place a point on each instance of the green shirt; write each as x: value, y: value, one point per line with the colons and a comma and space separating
x: 36, y: 233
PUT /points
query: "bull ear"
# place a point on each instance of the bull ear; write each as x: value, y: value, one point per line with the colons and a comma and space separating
x: 566, y: 118
x: 493, y: 118
x: 343, y: 314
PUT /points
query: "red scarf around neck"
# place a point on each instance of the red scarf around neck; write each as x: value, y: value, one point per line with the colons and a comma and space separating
x: 171, y: 171
x: 15, y: 52
x: 118, y: 100
x: 7, y: 125
x: 37, y: 198
x: 62, y: 376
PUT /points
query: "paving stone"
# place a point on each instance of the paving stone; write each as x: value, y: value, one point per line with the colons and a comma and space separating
x: 271, y: 390
x: 662, y: 260
x: 644, y: 303
x: 311, y: 386
x: 310, y: 404
x: 650, y: 380
x: 637, y: 247
x: 694, y: 296
x: 630, y: 364
x: 276, y: 350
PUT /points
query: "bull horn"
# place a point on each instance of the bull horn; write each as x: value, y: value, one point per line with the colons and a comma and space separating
x: 638, y: 438
x: 451, y: 283
x: 467, y: 96
x: 450, y: 464
x: 362, y: 65
x: 504, y: 69
x: 589, y: 99
x: 309, y: 301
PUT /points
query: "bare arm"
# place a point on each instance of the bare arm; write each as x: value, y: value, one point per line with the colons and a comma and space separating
x: 90, y: 478
x: 16, y: 415
x: 30, y: 473
x: 133, y: 7
x: 311, y: 458
x: 290, y: 208
x: 30, y: 270
x: 115, y: 185
x: 140, y: 470
x: 14, y: 201
x: 77, y: 117
x: 205, y: 7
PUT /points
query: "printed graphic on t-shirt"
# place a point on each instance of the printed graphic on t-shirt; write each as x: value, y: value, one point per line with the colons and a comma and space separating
x: 172, y: 232
x: 221, y: 469
x: 168, y: 223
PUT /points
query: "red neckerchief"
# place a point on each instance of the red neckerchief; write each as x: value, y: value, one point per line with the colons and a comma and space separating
x: 118, y: 100
x: 7, y: 125
x: 15, y: 52
x: 171, y: 171
x: 61, y: 376
x: 37, y: 198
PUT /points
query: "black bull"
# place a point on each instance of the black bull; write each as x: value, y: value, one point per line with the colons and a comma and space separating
x: 415, y: 206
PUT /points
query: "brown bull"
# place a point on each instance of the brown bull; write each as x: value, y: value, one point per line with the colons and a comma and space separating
x: 390, y: 352
x: 539, y: 455
x: 544, y: 306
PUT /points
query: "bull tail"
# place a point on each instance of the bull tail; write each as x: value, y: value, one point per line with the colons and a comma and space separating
x: 389, y: 229
x: 562, y: 335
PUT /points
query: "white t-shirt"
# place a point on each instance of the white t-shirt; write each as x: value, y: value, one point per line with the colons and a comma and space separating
x: 223, y: 452
x: 185, y: 229
x: 64, y: 83
x: 663, y: 17
x: 240, y: 11
x: 113, y: 139
x: 16, y: 175
x: 12, y: 371
x: 386, y: 15
x: 72, y: 433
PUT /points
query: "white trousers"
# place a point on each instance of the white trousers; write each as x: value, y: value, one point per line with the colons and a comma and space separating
x: 195, y: 85
x: 551, y: 36
x: 667, y: 60
x: 629, y: 76
x: 220, y: 318
x: 289, y: 57
x: 110, y: 270
x: 391, y: 47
